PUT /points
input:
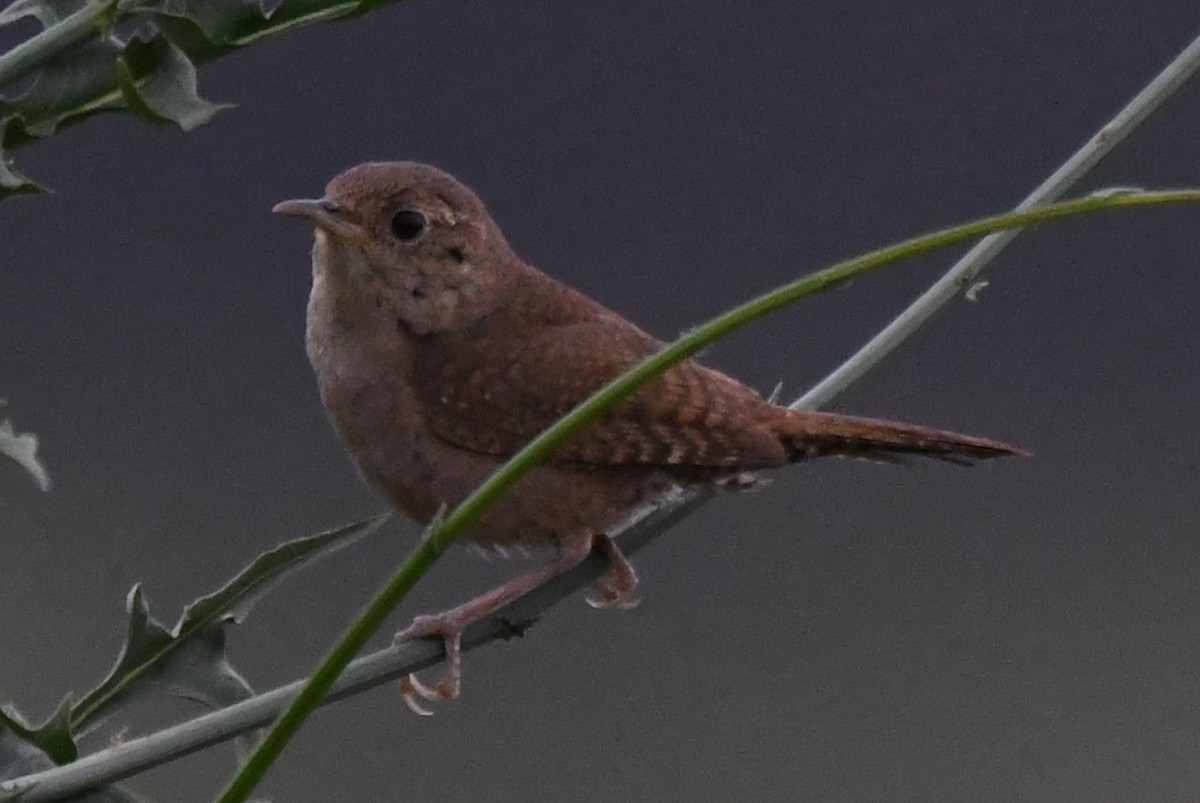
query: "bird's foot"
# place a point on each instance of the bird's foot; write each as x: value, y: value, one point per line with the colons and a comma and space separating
x: 449, y: 628
x: 615, y: 589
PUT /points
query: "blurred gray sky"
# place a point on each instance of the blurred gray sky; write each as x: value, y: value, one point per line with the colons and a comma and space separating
x: 1027, y: 630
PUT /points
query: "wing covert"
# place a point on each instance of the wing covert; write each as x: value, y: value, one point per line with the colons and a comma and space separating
x: 493, y: 395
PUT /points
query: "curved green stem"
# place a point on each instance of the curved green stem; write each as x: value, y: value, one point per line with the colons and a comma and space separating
x: 443, y: 533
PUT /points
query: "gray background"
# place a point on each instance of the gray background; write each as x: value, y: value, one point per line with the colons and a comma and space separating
x: 1026, y: 630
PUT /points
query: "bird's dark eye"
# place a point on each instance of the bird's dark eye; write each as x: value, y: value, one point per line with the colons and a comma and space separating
x: 407, y: 225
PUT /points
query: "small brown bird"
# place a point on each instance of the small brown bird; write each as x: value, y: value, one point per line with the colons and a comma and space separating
x: 439, y: 353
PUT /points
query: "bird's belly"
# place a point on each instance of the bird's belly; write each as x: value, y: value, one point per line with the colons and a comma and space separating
x: 419, y: 474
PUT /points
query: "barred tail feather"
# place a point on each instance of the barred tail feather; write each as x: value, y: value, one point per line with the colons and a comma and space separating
x: 806, y: 435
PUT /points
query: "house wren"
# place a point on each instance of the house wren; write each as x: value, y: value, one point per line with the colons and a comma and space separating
x: 439, y: 353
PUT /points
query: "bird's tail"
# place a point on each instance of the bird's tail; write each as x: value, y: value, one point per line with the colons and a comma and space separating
x: 807, y: 435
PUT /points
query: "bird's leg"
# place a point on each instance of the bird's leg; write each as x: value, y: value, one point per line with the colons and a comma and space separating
x: 449, y: 625
x: 615, y: 589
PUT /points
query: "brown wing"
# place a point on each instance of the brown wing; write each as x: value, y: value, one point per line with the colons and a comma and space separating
x: 493, y: 395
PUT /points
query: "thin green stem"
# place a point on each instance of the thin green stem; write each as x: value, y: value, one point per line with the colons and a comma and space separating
x: 443, y: 534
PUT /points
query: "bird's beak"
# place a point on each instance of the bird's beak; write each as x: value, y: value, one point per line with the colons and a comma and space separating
x: 325, y: 215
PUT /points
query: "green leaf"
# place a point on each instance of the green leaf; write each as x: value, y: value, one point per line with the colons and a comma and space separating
x: 189, y: 660
x: 191, y: 666
x: 245, y: 589
x: 12, y: 182
x: 169, y: 90
x: 46, y: 12
x: 22, y: 450
x: 19, y: 9
x: 223, y: 23
x: 78, y: 66
x: 79, y: 82
x: 52, y: 739
x: 25, y: 750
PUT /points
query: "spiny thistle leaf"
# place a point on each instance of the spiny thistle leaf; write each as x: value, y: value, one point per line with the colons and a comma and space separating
x: 83, y: 66
x: 46, y: 12
x: 192, y: 665
x: 189, y: 660
x: 25, y: 750
x: 22, y: 450
x: 222, y: 23
x: 52, y: 739
x: 169, y: 93
x: 12, y: 182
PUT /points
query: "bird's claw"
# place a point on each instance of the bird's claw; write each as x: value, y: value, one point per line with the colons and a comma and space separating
x: 609, y: 599
x: 412, y: 688
x: 614, y: 591
x: 449, y: 686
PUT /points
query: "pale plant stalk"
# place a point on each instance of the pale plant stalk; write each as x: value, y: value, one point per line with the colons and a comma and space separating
x: 134, y: 756
x: 55, y: 40
x: 97, y: 16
